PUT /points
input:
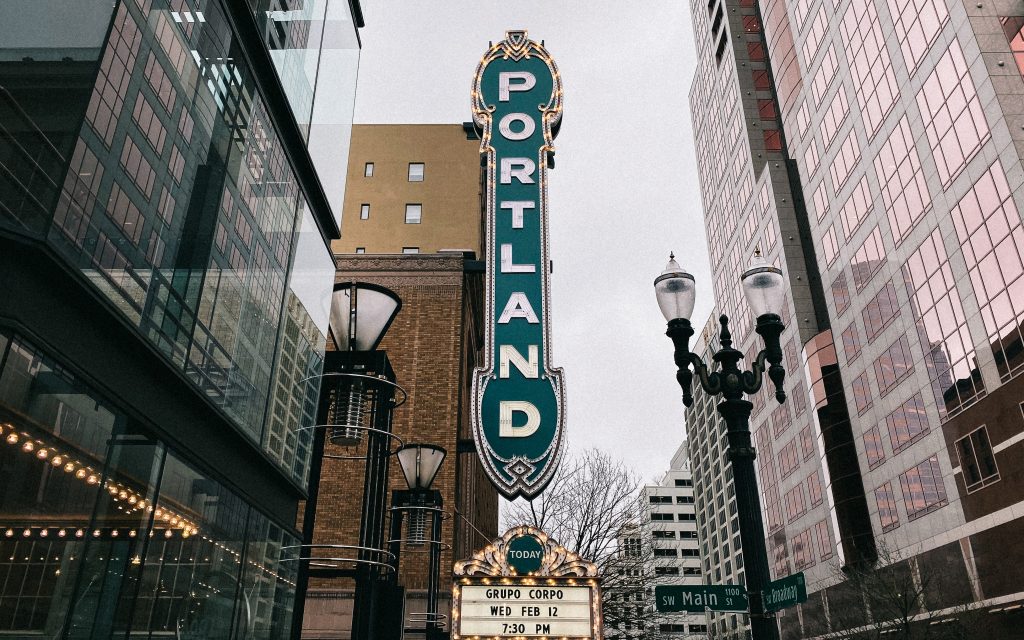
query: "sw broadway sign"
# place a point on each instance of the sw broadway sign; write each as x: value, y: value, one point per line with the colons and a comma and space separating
x: 526, y: 585
x: 785, y: 592
x: 518, y: 397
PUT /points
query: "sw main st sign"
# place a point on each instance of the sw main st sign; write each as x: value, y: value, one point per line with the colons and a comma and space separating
x: 518, y: 397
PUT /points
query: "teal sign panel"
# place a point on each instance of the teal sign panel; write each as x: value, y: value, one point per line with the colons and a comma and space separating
x: 700, y: 598
x: 525, y: 554
x: 785, y: 592
x: 518, y: 397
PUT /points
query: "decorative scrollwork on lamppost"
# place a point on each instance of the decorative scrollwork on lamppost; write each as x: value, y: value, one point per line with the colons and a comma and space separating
x: 764, y: 289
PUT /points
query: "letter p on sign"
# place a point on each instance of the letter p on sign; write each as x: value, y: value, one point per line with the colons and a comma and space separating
x: 505, y: 85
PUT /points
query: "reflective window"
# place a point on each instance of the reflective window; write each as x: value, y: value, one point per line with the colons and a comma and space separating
x: 834, y: 116
x: 918, y: 22
x: 772, y: 140
x: 796, y: 506
x: 768, y: 479
x: 413, y: 213
x: 976, y: 459
x: 780, y: 419
x: 368, y: 170
x: 841, y: 294
x: 820, y: 200
x: 830, y: 245
x: 888, y: 516
x: 907, y: 424
x: 811, y: 157
x: 415, y: 172
x: 845, y: 160
x: 364, y: 211
x: 952, y: 114
x: 825, y: 74
x: 893, y: 365
x: 106, y: 532
x: 870, y: 66
x: 868, y: 259
x: 826, y: 547
x: 177, y: 202
x: 410, y: 249
x: 807, y: 442
x: 814, y: 490
x: 904, y: 192
x: 788, y: 459
x: 803, y: 550
x: 879, y: 312
x: 873, y: 447
x: 812, y: 39
x: 923, y: 488
x: 861, y: 392
x: 851, y: 342
x: 942, y: 328
x: 989, y: 228
x: 856, y: 208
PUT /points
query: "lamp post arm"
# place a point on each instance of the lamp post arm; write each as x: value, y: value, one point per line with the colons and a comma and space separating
x: 769, y: 327
x: 681, y: 331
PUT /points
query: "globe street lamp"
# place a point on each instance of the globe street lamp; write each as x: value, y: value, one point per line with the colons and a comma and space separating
x: 763, y: 287
x: 420, y: 464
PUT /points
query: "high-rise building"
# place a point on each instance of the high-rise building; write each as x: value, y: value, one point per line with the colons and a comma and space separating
x: 413, y: 188
x: 433, y: 345
x: 165, y: 267
x: 671, y: 533
x: 872, y: 149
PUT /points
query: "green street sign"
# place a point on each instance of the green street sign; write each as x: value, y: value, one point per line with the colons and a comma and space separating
x: 787, y: 592
x: 700, y: 598
x: 518, y: 397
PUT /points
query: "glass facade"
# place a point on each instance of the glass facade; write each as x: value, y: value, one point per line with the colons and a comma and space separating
x: 165, y: 183
x: 106, y: 530
x: 158, y: 154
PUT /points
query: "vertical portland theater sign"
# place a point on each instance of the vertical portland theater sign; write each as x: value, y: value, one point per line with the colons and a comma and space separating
x: 518, y: 397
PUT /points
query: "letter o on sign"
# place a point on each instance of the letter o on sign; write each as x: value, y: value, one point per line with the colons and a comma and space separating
x: 505, y: 126
x: 525, y: 554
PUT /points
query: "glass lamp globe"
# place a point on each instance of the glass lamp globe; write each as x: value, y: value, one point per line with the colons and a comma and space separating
x: 420, y: 463
x: 361, y: 314
x: 763, y: 286
x: 675, y: 291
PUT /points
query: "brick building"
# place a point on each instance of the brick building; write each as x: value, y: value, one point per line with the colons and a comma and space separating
x: 433, y: 344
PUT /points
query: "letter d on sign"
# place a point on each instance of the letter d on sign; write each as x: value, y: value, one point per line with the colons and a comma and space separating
x: 507, y: 408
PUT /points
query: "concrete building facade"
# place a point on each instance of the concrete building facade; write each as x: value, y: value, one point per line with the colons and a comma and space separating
x: 898, y: 128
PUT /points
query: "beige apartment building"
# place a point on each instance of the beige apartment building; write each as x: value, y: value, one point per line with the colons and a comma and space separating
x: 412, y: 188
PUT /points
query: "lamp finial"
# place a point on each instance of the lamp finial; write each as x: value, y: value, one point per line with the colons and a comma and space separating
x: 671, y: 255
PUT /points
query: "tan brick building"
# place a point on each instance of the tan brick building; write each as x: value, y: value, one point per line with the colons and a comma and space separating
x: 434, y: 344
x: 412, y: 188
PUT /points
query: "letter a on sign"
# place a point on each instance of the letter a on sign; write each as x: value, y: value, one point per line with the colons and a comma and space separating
x: 518, y: 397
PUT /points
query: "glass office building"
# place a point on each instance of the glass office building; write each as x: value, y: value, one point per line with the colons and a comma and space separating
x: 166, y: 279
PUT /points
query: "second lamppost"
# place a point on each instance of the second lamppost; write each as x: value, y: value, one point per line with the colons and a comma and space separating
x: 764, y: 288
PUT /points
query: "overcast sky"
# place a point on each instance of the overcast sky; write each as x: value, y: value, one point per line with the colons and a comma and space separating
x: 623, y: 195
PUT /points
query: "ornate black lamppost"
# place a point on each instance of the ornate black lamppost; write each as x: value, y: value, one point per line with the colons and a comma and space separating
x: 420, y: 464
x: 763, y: 286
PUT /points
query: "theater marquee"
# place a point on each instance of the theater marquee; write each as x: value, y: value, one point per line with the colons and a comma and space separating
x: 526, y: 585
x: 518, y: 397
